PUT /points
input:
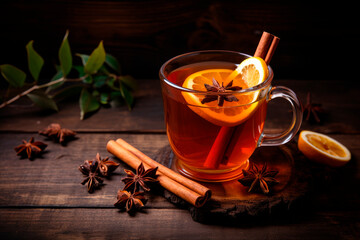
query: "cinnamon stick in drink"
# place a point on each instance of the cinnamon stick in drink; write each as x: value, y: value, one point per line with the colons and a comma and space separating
x: 191, y: 194
x: 263, y: 46
x: 265, y: 50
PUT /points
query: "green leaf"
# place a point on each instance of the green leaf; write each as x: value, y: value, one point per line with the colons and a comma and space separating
x: 65, y: 57
x: 88, y: 80
x: 42, y: 100
x: 96, y: 59
x: 57, y: 76
x: 129, y: 81
x: 111, y: 81
x: 125, y: 93
x: 13, y: 75
x: 80, y: 70
x: 95, y: 93
x: 35, y: 61
x: 104, y: 98
x: 100, y: 80
x: 113, y: 63
x: 116, y: 99
x: 88, y: 103
x: 84, y: 58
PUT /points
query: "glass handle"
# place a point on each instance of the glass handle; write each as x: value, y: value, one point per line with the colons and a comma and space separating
x: 287, y: 135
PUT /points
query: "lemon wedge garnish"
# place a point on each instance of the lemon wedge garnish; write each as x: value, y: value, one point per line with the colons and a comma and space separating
x: 251, y: 72
x: 323, y: 149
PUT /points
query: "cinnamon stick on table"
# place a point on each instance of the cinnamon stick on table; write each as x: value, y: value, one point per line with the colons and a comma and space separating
x: 200, y: 189
x: 192, y: 192
x: 265, y: 49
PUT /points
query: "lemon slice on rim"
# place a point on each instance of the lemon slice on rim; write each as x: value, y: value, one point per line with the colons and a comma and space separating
x: 323, y: 149
x: 251, y: 72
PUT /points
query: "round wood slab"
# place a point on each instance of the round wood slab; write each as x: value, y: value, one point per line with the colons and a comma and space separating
x: 232, y: 201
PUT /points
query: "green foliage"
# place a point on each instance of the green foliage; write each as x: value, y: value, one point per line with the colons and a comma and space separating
x: 113, y: 63
x: 96, y: 60
x: 65, y: 57
x: 13, y: 75
x: 125, y: 93
x: 42, y: 100
x: 88, y: 103
x: 97, y: 81
x: 35, y: 61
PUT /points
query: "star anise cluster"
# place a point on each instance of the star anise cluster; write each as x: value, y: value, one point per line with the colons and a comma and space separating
x: 58, y: 134
x: 92, y: 178
x: 106, y: 166
x: 130, y: 198
x: 312, y: 110
x: 131, y: 201
x: 30, y: 149
x: 93, y: 170
x: 259, y: 180
x: 223, y: 92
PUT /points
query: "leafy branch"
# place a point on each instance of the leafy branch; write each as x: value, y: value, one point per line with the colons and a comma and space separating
x: 98, y: 82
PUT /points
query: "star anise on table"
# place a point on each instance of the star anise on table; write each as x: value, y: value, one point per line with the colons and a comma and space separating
x: 30, y: 149
x: 142, y: 178
x: 130, y: 201
x: 312, y: 109
x: 259, y: 179
x: 106, y: 166
x: 92, y: 178
x: 58, y: 134
x: 224, y: 92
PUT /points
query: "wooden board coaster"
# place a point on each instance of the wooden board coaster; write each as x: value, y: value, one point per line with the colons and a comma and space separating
x: 232, y: 201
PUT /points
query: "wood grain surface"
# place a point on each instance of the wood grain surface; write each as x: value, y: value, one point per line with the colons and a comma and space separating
x: 44, y: 199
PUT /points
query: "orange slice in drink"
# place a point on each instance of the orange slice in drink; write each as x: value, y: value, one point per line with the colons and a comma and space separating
x: 251, y: 72
x: 323, y: 149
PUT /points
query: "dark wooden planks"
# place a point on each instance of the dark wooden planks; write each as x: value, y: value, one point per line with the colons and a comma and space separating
x: 33, y: 205
x: 166, y: 224
x: 54, y: 180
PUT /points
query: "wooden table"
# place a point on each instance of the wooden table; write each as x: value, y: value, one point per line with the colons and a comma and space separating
x: 43, y: 198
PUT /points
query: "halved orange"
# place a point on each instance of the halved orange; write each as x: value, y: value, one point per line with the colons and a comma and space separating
x: 323, y: 149
x: 249, y: 73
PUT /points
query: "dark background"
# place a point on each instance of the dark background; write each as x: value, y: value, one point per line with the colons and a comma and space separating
x: 318, y: 41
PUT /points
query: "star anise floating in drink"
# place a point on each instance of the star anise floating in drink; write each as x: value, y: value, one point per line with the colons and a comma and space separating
x: 258, y: 179
x: 130, y: 201
x: 58, y: 134
x: 30, y: 149
x: 135, y: 200
x: 92, y: 178
x: 224, y: 92
x: 312, y: 110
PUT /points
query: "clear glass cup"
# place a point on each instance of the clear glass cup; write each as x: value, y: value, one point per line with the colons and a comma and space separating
x: 213, y: 143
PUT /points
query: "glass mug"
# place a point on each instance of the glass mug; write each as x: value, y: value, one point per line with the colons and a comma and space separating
x: 213, y: 143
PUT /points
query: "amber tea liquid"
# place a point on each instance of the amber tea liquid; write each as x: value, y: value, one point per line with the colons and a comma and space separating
x: 192, y: 136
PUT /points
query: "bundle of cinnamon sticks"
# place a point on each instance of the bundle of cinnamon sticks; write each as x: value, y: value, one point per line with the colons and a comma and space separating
x: 191, y: 191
